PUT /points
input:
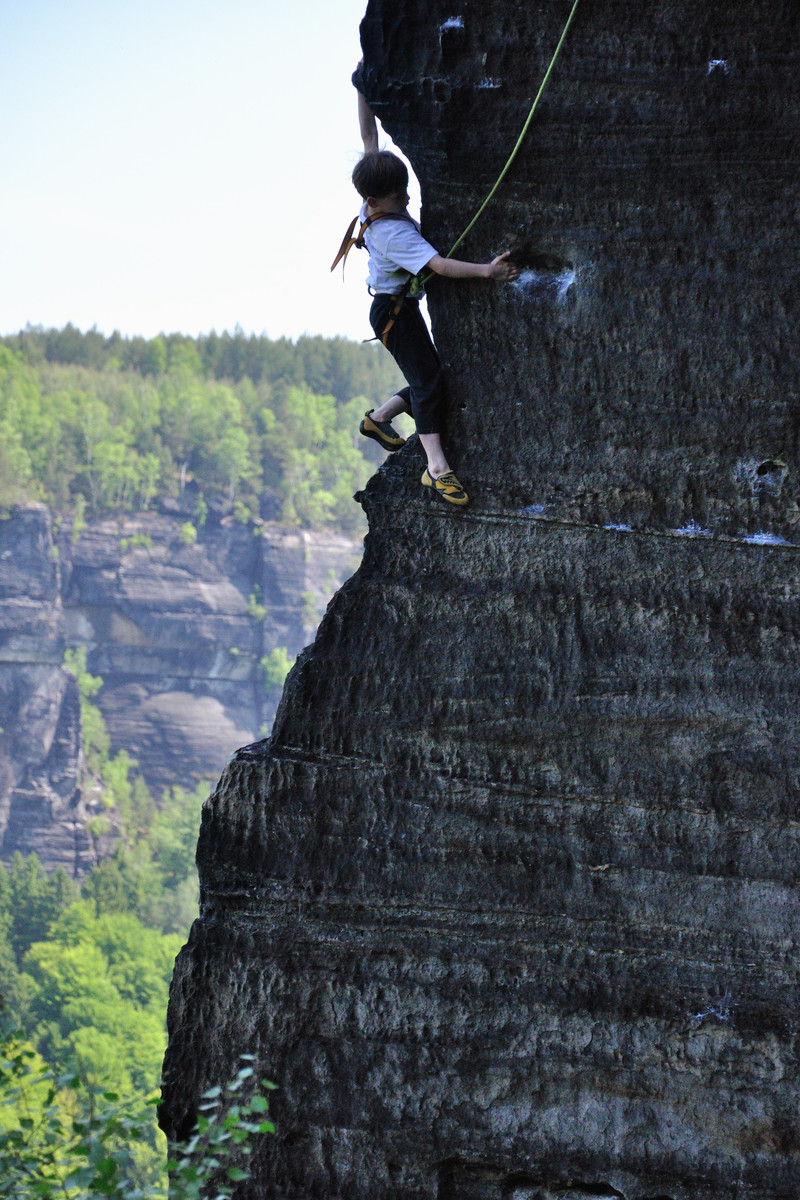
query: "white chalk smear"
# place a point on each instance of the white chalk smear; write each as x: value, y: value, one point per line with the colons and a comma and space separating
x: 717, y: 64
x: 722, y: 1010
x: 692, y: 530
x: 766, y: 539
x: 531, y: 281
x: 452, y: 23
x: 489, y: 83
x: 620, y: 528
x: 532, y: 510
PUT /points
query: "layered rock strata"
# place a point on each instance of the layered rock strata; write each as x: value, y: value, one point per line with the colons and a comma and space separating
x: 508, y: 904
x: 42, y: 807
x: 175, y: 631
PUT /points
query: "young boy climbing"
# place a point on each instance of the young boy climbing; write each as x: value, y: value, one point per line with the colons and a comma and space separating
x: 398, y: 252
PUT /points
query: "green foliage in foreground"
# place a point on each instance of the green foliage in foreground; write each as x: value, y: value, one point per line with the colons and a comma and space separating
x: 94, y: 424
x: 90, y: 995
x: 85, y: 973
x: 61, y: 1138
x: 86, y: 970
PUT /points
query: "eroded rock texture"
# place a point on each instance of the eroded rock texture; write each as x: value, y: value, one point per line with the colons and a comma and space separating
x: 42, y: 807
x: 176, y: 633
x: 508, y: 905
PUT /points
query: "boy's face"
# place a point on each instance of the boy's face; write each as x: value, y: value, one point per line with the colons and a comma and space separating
x: 396, y: 203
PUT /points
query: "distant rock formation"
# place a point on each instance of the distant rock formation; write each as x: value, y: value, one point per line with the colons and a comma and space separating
x: 41, y: 755
x: 508, y: 905
x: 174, y: 631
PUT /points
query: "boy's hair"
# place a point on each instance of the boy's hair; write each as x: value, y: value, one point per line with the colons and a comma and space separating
x: 379, y: 173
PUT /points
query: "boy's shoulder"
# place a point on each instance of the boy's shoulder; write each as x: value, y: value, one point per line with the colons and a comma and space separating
x: 386, y: 226
x: 368, y: 220
x: 397, y: 244
x: 394, y: 228
x: 380, y: 245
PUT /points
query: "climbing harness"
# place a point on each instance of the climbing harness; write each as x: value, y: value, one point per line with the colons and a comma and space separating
x: 400, y: 299
x: 348, y: 241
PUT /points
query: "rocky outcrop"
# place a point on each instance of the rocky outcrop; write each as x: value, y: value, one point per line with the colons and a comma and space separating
x: 508, y: 903
x: 175, y: 631
x: 42, y: 808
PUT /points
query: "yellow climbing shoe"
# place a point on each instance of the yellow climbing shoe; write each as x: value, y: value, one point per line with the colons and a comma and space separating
x: 382, y: 432
x: 446, y: 487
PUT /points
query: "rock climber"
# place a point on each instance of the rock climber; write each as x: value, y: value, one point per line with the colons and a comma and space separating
x: 397, y: 254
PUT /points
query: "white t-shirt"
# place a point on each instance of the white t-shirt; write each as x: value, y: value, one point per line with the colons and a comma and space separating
x: 397, y: 251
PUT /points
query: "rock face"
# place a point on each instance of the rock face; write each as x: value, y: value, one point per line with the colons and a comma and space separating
x: 174, y: 634
x: 508, y: 904
x: 41, y: 805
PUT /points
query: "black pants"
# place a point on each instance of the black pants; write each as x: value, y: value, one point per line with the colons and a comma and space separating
x: 410, y: 345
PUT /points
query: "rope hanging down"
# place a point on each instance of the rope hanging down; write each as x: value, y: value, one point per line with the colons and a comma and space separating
x: 521, y: 137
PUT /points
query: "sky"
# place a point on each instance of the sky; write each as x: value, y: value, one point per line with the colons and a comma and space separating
x: 178, y: 166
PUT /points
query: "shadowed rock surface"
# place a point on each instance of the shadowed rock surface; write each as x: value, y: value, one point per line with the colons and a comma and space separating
x: 42, y: 807
x: 173, y: 633
x: 508, y: 905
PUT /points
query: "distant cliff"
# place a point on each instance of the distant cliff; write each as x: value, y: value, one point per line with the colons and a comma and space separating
x: 175, y: 630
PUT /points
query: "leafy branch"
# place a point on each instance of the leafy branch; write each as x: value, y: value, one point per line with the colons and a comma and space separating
x: 61, y: 1140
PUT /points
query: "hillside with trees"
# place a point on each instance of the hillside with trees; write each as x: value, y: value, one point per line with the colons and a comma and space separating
x: 265, y: 428
x: 258, y: 430
x: 85, y: 969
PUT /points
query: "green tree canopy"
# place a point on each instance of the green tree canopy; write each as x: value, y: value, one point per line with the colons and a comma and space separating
x: 116, y: 423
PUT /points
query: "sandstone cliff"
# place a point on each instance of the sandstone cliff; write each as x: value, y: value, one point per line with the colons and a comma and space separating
x: 508, y: 904
x: 174, y: 634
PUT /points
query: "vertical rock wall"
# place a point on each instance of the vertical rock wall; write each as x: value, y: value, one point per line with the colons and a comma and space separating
x: 41, y: 753
x: 508, y: 904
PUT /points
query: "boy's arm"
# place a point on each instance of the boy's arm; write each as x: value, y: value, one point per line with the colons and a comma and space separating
x: 454, y: 268
x: 368, y: 126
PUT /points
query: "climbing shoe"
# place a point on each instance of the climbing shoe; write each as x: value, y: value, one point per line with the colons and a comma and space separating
x: 381, y: 431
x: 446, y: 487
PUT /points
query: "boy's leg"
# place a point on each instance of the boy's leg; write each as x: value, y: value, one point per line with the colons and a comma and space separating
x: 437, y: 462
x: 399, y: 402
x: 377, y: 423
x: 410, y: 345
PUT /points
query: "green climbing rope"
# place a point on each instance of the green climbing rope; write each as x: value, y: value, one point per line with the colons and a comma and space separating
x: 520, y: 139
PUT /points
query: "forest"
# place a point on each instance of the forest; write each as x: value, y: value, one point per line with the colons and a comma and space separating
x: 92, y: 424
x: 85, y: 968
x: 269, y: 429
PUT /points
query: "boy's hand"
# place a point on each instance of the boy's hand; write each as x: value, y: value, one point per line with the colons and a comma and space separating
x: 500, y: 268
x: 503, y: 270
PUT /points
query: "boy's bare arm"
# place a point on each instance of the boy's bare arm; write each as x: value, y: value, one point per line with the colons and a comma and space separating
x: 500, y: 268
x: 368, y: 125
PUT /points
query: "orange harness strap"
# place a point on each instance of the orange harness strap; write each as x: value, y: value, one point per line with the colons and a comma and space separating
x: 398, y: 304
x: 348, y: 241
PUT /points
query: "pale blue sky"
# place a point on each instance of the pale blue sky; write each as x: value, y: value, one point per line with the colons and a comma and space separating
x: 179, y: 166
